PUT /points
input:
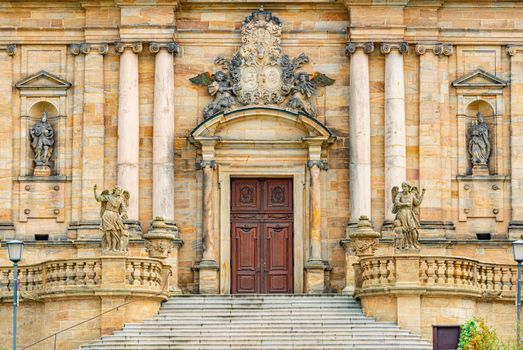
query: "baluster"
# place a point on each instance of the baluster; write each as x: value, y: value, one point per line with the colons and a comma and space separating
x: 97, y: 268
x: 459, y: 272
x: 80, y: 273
x: 391, y: 267
x: 364, y: 274
x: 89, y: 273
x: 423, y: 266
x: 31, y: 278
x: 497, y: 278
x: 431, y: 271
x: 69, y: 273
x: 4, y: 280
x: 137, y: 274
x: 451, y: 272
x: 490, y: 278
x: 441, y: 271
x: 383, y: 271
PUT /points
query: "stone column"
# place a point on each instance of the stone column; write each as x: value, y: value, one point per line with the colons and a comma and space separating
x: 315, y: 279
x: 128, y: 126
x: 359, y: 138
x: 516, y: 140
x: 208, y: 266
x: 395, y: 150
x: 163, y: 131
x: 7, y: 229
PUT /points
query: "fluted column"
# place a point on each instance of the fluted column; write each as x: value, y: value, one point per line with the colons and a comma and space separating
x: 128, y: 125
x: 395, y: 143
x: 163, y: 131
x: 359, y: 138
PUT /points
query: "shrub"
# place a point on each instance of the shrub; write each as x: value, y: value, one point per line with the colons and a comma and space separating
x: 476, y: 335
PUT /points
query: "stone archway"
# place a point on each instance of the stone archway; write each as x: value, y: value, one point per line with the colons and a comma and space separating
x: 261, y: 142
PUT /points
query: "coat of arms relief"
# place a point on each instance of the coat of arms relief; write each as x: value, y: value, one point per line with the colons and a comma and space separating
x: 260, y: 73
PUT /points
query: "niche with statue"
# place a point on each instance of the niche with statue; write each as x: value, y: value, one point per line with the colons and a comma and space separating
x: 482, y: 178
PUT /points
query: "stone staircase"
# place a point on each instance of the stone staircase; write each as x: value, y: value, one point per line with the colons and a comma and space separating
x: 215, y: 322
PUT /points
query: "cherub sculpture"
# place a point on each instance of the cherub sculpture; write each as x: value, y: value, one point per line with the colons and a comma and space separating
x: 304, y: 90
x: 115, y: 236
x: 406, y: 207
x: 219, y: 86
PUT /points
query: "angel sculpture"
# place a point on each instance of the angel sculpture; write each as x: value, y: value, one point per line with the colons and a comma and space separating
x: 406, y: 207
x: 219, y: 86
x: 115, y: 236
x: 304, y: 90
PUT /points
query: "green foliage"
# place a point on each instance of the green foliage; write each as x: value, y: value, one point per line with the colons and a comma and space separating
x: 476, y: 335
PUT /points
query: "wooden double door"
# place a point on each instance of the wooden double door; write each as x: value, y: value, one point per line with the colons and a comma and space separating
x: 262, y: 235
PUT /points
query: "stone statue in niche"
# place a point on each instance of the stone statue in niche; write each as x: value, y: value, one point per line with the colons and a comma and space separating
x: 479, y: 146
x: 260, y: 73
x: 42, y: 142
x: 115, y: 236
x: 406, y: 223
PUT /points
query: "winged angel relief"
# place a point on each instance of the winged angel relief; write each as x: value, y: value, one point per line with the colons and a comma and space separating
x: 260, y: 74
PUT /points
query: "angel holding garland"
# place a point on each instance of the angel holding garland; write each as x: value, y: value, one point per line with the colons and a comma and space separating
x: 115, y: 236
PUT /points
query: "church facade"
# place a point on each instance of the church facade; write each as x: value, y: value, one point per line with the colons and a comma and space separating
x: 157, y: 148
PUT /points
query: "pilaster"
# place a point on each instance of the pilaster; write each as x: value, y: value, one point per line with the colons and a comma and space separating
x: 91, y: 140
x: 516, y: 140
x: 7, y: 230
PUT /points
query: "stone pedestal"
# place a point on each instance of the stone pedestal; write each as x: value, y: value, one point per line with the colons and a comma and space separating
x: 480, y: 170
x: 315, y: 277
x: 42, y: 170
x: 209, y: 283
x: 113, y: 274
x: 163, y: 242
x: 409, y: 300
x: 361, y: 242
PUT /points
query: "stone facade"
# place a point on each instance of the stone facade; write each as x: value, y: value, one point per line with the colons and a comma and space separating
x: 114, y: 78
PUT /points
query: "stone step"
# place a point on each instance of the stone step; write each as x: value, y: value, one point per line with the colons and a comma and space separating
x: 257, y: 322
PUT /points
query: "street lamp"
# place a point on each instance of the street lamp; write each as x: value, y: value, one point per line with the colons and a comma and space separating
x: 517, y: 247
x: 15, y: 250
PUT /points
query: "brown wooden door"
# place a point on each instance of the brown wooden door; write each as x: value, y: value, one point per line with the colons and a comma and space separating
x: 261, y: 235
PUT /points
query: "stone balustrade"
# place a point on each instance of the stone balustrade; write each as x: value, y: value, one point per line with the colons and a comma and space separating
x: 435, y: 274
x: 87, y: 277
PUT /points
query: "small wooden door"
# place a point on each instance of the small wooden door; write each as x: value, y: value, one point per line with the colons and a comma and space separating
x: 262, y: 235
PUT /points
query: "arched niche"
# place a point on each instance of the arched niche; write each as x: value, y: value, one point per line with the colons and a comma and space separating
x: 261, y: 142
x: 487, y: 111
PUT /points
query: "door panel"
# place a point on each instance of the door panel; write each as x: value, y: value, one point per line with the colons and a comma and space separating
x: 261, y: 235
x: 246, y: 262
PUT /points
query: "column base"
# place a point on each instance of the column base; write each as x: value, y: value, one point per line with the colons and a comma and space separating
x: 135, y: 228
x: 315, y: 277
x: 208, y: 277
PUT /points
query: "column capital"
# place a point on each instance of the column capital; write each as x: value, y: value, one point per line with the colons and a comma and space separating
x: 136, y: 46
x: 202, y: 164
x: 351, y: 47
x: 172, y: 47
x: 514, y: 49
x: 10, y: 49
x: 438, y: 49
x: 402, y: 47
x: 85, y: 48
x: 322, y: 164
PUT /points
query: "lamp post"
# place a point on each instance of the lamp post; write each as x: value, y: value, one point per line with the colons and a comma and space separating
x: 517, y: 247
x: 15, y: 249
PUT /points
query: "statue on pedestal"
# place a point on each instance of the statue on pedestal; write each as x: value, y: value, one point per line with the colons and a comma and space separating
x: 479, y: 146
x: 42, y: 141
x: 115, y: 236
x: 406, y: 207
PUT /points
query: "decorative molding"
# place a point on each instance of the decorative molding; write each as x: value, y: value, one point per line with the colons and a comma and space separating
x: 402, y: 47
x: 172, y: 48
x: 351, y: 47
x: 43, y: 83
x: 445, y: 49
x: 85, y: 48
x: 136, y: 46
x: 479, y: 79
x: 322, y: 164
x: 207, y: 163
x: 514, y: 49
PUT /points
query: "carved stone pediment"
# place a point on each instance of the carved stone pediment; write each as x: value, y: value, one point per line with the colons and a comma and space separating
x: 43, y: 83
x: 260, y: 73
x: 479, y: 79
